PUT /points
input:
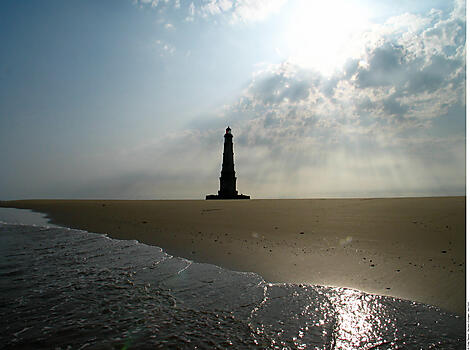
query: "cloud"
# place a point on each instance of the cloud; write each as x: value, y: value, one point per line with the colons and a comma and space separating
x: 164, y: 49
x: 384, y: 67
x: 255, y: 10
x: 191, y: 12
x: 278, y: 84
x: 215, y: 7
x: 234, y: 11
x: 152, y: 3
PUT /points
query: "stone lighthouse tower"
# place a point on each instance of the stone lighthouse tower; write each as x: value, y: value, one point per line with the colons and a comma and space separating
x: 228, y: 181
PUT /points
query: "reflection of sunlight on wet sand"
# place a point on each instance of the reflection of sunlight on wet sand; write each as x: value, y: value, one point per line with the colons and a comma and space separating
x: 318, y: 327
x: 359, y: 316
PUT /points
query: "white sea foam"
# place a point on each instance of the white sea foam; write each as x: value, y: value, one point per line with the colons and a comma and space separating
x: 24, y: 217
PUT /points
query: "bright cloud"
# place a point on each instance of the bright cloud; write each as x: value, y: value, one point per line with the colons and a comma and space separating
x: 215, y: 7
x: 234, y: 10
x: 255, y: 10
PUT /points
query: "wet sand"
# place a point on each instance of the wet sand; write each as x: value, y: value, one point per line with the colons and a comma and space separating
x: 410, y: 248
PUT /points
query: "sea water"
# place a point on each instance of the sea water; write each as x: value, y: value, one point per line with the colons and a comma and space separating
x: 69, y: 289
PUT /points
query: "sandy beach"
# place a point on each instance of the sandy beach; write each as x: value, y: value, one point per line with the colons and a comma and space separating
x: 410, y: 248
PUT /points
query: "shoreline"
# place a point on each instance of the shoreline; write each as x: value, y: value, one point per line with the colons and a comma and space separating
x: 409, y: 248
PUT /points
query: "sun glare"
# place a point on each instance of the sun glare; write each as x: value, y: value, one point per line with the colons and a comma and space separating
x: 321, y: 35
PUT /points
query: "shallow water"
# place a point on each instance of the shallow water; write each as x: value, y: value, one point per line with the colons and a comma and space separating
x: 62, y: 288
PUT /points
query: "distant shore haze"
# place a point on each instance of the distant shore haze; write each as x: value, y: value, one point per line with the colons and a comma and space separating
x: 228, y: 181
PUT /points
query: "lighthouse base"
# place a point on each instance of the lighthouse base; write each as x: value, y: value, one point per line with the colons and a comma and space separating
x: 220, y: 196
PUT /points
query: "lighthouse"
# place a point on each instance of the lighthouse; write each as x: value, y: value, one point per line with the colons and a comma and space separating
x: 228, y: 181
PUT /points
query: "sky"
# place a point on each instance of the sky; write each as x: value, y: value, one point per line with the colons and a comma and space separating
x: 130, y: 99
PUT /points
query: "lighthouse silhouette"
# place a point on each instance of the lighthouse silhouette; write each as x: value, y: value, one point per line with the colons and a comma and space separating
x: 228, y: 181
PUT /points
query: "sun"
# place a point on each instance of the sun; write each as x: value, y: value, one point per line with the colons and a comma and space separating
x: 322, y: 35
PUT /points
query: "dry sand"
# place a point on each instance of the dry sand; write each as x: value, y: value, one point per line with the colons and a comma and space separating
x: 411, y: 248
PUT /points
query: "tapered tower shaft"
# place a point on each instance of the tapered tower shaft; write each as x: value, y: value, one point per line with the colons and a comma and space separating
x: 228, y: 181
x: 227, y: 176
